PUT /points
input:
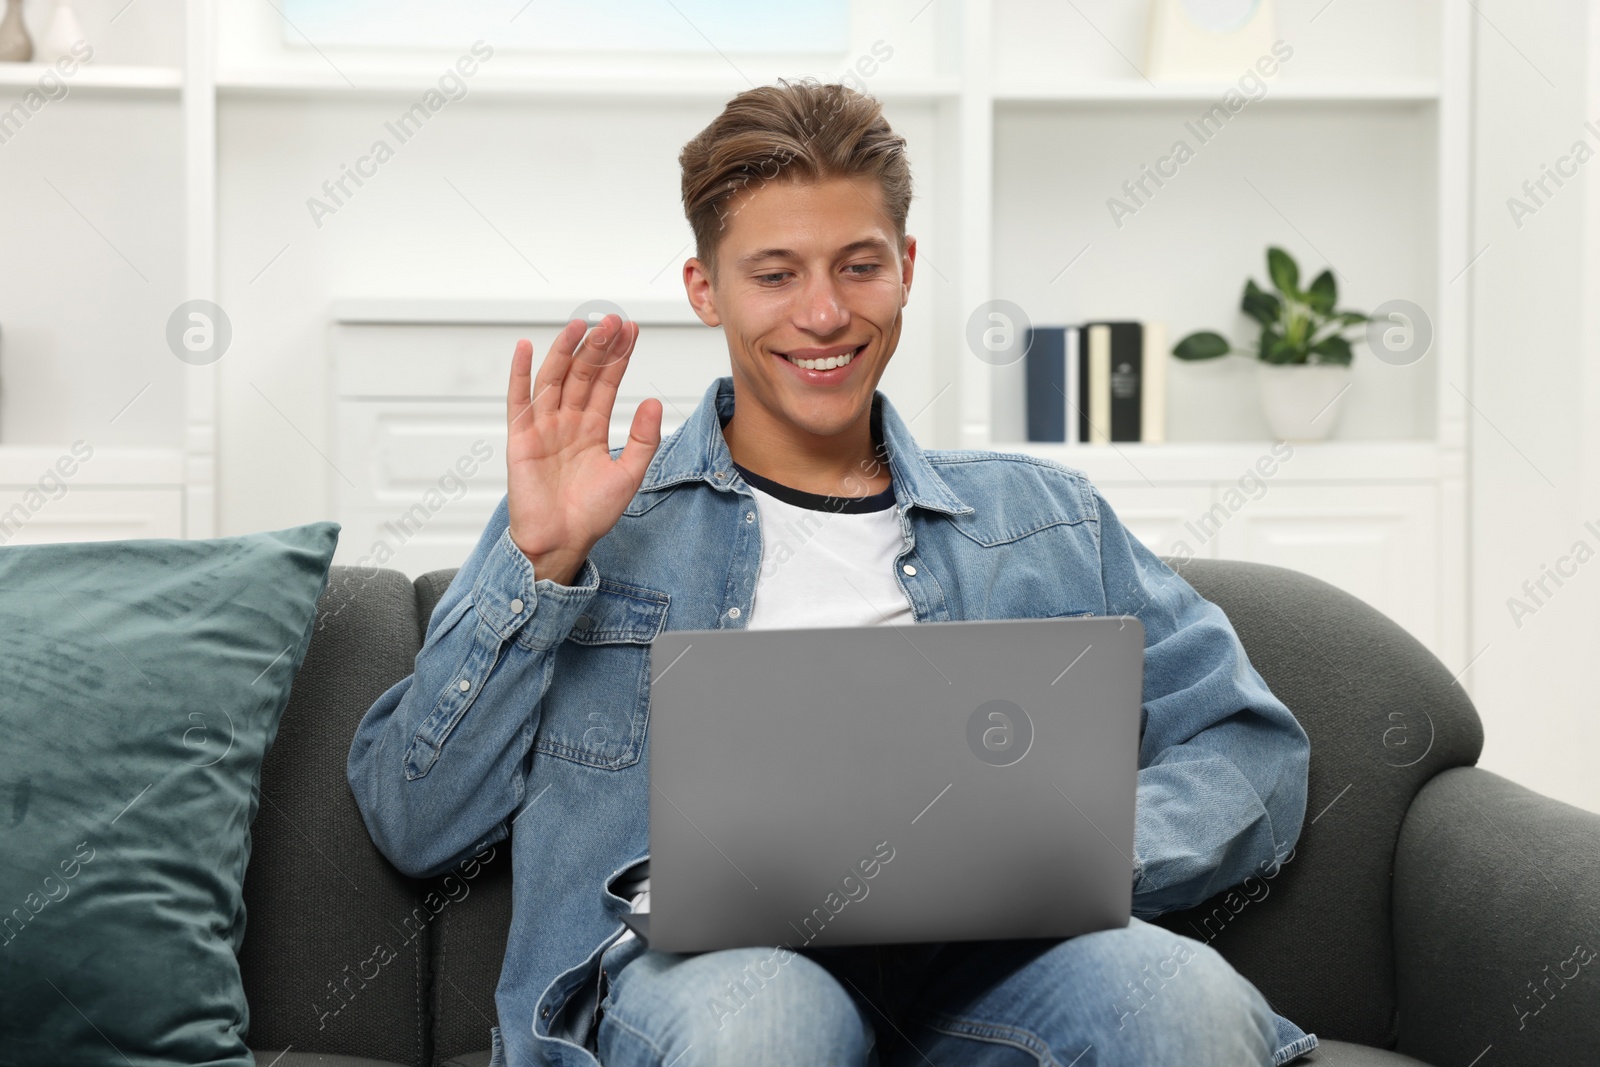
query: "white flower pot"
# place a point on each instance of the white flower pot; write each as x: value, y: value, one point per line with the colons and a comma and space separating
x: 1301, y: 400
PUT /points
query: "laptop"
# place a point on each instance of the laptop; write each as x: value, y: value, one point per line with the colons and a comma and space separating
x: 946, y: 781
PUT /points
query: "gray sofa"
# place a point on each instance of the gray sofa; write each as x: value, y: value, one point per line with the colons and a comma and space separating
x: 1430, y: 909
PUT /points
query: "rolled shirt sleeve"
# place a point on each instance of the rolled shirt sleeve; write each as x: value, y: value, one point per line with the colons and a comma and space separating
x: 437, y: 764
x: 1222, y: 762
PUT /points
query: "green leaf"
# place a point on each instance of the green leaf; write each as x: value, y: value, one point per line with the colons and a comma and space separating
x: 1285, y: 273
x: 1350, y: 318
x: 1260, y: 304
x: 1202, y: 345
x: 1323, y: 294
x: 1333, y: 349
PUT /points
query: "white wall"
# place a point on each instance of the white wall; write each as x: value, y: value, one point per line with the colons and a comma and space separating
x: 496, y: 197
x: 1535, y: 684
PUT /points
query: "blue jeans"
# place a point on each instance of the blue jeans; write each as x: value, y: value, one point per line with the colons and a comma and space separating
x: 1137, y: 996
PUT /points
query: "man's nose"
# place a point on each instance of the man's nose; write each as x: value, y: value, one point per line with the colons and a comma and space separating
x: 821, y: 309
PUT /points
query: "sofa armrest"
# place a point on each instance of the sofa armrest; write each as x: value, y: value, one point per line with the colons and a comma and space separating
x: 1497, y: 924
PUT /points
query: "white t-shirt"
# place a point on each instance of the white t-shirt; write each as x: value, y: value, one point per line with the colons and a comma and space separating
x: 825, y: 561
x: 827, y: 567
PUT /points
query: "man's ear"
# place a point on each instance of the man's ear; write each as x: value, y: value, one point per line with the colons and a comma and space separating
x: 908, y: 264
x: 697, y: 283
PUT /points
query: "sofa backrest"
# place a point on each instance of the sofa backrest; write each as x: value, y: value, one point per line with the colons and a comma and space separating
x: 1384, y: 716
x: 469, y: 942
x: 337, y: 942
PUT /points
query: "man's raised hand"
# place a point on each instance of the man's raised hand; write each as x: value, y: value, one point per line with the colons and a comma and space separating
x: 564, y: 490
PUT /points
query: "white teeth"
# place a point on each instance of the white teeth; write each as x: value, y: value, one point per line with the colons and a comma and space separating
x: 822, y: 364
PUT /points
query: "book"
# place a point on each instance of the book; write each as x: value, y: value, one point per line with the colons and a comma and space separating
x: 1074, y: 403
x: 1112, y: 375
x: 1097, y: 384
x: 1153, y: 386
x: 1112, y: 380
x: 1044, y: 358
x: 1127, y: 374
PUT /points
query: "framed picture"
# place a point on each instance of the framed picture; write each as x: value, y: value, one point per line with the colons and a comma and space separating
x: 1207, y: 40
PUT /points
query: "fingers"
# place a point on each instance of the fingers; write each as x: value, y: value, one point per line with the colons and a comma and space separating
x: 581, y: 366
x: 547, y: 384
x: 604, y: 347
x: 517, y: 399
x: 644, y: 437
x: 603, y: 393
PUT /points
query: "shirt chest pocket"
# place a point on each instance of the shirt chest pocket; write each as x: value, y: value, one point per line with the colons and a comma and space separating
x: 597, y: 706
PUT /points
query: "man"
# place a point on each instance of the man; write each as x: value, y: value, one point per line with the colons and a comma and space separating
x: 528, y: 711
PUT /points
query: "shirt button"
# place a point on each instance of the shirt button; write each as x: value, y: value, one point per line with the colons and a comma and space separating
x: 909, y: 569
x: 733, y: 613
x: 544, y: 1013
x: 749, y: 516
x: 463, y: 685
x: 583, y: 622
x: 516, y: 607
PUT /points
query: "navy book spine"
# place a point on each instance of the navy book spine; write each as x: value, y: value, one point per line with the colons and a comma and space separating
x: 1045, y: 358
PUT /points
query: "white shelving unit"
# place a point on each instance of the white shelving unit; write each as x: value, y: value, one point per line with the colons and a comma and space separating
x: 533, y: 85
x: 117, y: 493
x: 90, y: 253
x: 1132, y: 90
x: 1380, y: 509
x: 93, y: 76
x: 1359, y: 150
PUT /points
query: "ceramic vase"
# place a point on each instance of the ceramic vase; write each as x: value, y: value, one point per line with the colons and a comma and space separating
x: 15, y: 44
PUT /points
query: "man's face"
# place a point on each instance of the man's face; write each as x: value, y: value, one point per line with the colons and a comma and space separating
x: 807, y: 271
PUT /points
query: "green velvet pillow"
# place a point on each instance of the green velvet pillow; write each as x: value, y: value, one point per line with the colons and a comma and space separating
x: 141, y: 683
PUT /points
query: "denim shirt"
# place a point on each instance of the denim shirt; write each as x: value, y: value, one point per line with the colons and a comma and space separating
x: 528, y: 709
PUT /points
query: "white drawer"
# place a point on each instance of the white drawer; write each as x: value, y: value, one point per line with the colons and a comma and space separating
x: 89, y: 514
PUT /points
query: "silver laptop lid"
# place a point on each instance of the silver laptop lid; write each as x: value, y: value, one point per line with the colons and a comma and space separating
x: 859, y: 785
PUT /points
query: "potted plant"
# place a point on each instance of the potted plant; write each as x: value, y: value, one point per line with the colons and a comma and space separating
x: 1303, y: 356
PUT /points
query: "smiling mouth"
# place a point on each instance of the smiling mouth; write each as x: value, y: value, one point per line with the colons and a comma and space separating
x: 829, y: 363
